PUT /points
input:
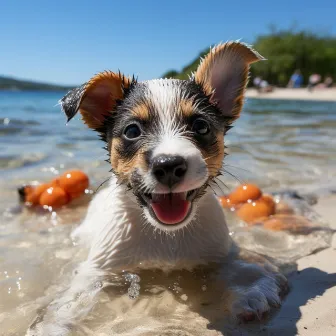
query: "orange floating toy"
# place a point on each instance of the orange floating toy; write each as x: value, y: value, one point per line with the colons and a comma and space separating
x: 249, y: 202
x: 262, y: 207
x: 54, y: 197
x: 74, y: 182
x: 241, y: 194
x: 58, y: 192
x: 33, y: 194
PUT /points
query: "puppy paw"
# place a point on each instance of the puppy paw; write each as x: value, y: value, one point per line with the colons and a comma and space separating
x: 254, y: 302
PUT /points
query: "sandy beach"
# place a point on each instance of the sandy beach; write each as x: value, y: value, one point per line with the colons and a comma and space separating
x: 309, y: 309
x: 295, y: 94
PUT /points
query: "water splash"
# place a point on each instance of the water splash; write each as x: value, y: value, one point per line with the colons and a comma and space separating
x: 134, y: 289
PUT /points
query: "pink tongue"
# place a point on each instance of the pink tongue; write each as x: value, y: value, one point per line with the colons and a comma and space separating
x: 170, y: 208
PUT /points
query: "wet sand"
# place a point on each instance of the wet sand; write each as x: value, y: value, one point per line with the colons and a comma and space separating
x: 295, y: 94
x: 309, y: 308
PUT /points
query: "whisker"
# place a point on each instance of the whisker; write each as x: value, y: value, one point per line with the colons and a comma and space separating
x: 234, y: 176
x: 226, y: 165
x: 216, y: 181
x: 101, y: 184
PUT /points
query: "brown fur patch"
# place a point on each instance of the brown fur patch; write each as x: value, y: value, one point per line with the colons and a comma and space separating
x: 100, y: 96
x: 141, y: 111
x: 124, y: 167
x: 186, y: 107
x: 215, y: 162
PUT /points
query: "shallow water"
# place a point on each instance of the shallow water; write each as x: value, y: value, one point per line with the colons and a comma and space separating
x: 276, y: 144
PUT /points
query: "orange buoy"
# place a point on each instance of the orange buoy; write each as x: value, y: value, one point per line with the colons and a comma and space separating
x: 74, y: 182
x: 55, y: 182
x: 33, y: 194
x: 55, y: 197
x: 245, y: 192
x: 242, y: 194
x: 254, y: 210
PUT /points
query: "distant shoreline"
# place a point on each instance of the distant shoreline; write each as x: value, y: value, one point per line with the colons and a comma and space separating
x: 295, y: 94
x: 10, y: 84
x: 323, y: 95
x: 36, y: 90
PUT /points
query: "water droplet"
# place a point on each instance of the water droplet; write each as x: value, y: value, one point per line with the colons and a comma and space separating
x: 98, y: 285
x: 184, y: 297
x: 132, y: 293
x: 132, y: 277
x: 134, y: 289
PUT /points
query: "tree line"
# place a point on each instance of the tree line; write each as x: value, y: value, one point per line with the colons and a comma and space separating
x: 286, y: 51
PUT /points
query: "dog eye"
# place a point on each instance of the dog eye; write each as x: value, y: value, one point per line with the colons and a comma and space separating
x: 132, y: 132
x: 201, y: 127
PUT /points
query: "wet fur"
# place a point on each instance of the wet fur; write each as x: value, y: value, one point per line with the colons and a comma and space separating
x: 119, y: 231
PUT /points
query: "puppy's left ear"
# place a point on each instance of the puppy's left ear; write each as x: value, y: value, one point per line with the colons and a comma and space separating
x: 224, y: 74
x: 96, y: 99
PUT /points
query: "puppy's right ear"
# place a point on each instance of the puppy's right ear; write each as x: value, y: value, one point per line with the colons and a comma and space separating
x: 96, y: 99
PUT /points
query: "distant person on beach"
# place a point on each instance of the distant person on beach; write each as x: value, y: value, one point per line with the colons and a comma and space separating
x: 314, y: 79
x: 328, y: 83
x: 256, y: 82
x: 296, y: 80
x: 262, y: 85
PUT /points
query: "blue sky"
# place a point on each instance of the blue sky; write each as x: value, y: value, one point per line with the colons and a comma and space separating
x: 67, y: 42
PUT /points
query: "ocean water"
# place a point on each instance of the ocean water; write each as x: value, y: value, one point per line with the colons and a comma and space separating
x: 277, y: 144
x: 274, y: 143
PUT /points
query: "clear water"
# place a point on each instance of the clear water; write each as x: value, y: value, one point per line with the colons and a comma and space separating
x: 277, y: 144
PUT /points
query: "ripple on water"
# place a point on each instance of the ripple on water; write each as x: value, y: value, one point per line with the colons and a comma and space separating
x: 25, y: 160
x: 21, y: 122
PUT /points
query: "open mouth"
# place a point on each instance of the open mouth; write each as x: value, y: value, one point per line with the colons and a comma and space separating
x: 170, y: 208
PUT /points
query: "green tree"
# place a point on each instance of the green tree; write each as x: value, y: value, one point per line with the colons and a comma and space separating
x: 288, y: 50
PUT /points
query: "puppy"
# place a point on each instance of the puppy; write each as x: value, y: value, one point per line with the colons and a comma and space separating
x: 165, y: 139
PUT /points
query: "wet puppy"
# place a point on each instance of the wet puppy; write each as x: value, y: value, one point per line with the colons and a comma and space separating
x: 165, y: 139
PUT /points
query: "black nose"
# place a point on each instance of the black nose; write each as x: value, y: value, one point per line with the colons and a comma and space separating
x: 169, y: 170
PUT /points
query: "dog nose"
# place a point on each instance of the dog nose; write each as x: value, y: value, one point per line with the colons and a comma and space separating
x: 168, y: 169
